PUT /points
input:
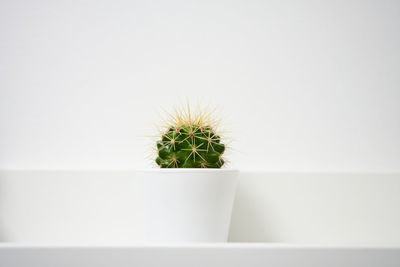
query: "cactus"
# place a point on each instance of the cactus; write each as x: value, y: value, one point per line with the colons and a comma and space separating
x: 190, y: 141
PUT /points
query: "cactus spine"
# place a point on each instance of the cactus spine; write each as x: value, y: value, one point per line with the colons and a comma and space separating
x: 190, y: 141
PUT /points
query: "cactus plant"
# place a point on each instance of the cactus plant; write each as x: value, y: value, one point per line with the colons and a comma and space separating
x: 190, y: 140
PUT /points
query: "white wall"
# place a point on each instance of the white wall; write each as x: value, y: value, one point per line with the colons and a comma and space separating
x: 100, y: 207
x: 305, y: 85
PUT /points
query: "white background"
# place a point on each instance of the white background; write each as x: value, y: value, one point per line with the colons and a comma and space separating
x: 302, y: 85
x: 101, y: 207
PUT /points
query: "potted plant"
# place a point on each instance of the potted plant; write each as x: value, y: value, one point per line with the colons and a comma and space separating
x: 189, y: 197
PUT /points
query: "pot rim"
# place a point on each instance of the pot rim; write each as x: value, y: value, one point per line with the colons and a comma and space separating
x: 188, y: 170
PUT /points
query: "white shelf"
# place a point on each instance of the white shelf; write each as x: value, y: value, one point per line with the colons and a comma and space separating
x: 207, y: 255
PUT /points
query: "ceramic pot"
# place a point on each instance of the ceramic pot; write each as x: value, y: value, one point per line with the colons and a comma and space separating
x: 186, y: 205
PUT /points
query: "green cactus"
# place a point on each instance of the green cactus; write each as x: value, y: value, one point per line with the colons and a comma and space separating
x: 190, y: 143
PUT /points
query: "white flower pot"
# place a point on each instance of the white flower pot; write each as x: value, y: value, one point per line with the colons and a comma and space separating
x: 187, y: 205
